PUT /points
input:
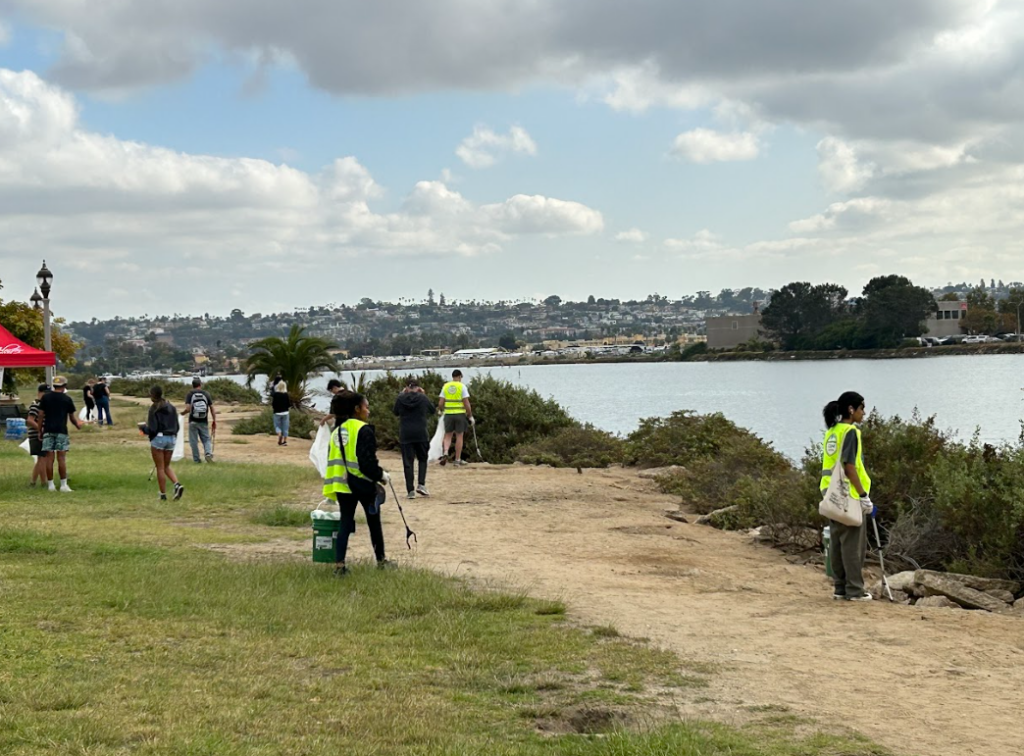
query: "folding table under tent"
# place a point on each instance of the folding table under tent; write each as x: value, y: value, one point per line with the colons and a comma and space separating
x: 15, y: 353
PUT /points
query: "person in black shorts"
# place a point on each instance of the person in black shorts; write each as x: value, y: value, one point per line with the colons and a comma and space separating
x: 35, y: 436
x: 90, y: 403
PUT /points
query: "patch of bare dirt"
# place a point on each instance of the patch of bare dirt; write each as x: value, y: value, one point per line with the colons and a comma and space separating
x: 939, y: 682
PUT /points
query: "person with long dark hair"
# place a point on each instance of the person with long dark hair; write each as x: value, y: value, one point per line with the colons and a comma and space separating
x: 162, y: 427
x: 848, y: 543
x: 354, y: 475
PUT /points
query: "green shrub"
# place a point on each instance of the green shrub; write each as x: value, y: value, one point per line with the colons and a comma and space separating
x: 685, y: 437
x: 301, y: 424
x: 223, y: 390
x: 583, y: 446
x: 381, y: 394
x: 693, y: 350
x: 509, y: 416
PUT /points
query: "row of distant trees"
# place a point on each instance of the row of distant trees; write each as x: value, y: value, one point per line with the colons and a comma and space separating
x: 803, y: 316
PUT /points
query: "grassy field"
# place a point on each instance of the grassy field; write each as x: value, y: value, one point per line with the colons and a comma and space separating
x: 122, y: 631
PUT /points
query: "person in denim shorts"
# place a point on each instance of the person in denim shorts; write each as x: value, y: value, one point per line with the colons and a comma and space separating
x: 163, y: 428
x: 57, y: 409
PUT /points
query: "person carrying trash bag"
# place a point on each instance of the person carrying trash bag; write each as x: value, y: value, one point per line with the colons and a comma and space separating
x: 848, y: 543
x: 454, y: 405
x: 354, y: 475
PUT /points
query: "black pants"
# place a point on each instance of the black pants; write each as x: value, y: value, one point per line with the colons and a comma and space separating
x: 417, y: 450
x: 347, y: 506
x: 90, y: 405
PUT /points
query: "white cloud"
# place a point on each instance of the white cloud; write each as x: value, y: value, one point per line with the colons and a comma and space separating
x: 632, y: 236
x: 5, y: 34
x: 65, y: 190
x: 707, y: 146
x: 483, y: 148
x: 839, y: 168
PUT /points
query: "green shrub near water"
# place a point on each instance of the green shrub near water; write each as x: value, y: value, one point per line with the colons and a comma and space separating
x: 509, y: 416
x: 381, y: 394
x: 223, y: 390
x: 577, y: 446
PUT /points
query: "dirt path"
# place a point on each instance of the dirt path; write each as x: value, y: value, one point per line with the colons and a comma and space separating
x: 933, y: 682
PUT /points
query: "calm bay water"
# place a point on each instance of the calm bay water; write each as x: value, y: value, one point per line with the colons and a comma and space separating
x: 781, y: 401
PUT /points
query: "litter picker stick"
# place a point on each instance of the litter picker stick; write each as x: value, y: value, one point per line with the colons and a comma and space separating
x: 881, y: 559
x: 476, y: 443
x: 408, y: 531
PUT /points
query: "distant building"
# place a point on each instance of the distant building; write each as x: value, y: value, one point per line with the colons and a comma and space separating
x: 946, y: 322
x: 729, y: 331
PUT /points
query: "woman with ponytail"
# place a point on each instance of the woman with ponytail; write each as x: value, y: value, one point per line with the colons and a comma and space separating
x: 848, y: 543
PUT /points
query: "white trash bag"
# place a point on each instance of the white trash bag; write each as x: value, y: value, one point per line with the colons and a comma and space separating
x: 24, y: 445
x: 437, y: 443
x: 82, y: 415
x: 320, y: 449
x: 179, y: 444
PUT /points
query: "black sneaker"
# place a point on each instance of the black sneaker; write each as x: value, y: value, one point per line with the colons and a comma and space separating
x: 178, y: 491
x: 340, y: 570
x: 163, y: 497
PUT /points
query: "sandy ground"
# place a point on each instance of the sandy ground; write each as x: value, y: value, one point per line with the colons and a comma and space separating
x: 933, y: 682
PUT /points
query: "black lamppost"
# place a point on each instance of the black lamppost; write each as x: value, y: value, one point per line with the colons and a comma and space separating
x: 43, y: 278
x: 36, y: 300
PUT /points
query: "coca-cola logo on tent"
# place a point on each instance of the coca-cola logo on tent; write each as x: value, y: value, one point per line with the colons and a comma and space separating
x: 12, y: 349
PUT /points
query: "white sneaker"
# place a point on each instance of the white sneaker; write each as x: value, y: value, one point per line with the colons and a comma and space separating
x: 411, y: 495
x: 66, y: 489
x: 863, y: 597
x: 422, y: 491
x: 51, y: 487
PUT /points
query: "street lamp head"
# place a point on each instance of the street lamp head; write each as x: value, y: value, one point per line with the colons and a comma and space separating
x: 36, y: 299
x: 43, y: 278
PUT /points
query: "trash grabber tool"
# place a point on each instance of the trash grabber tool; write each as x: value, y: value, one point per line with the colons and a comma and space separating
x: 881, y: 560
x: 408, y: 531
x: 151, y: 473
x: 476, y: 443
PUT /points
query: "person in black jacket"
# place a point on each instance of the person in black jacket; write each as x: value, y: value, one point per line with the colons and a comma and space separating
x: 281, y: 403
x: 413, y: 408
x: 162, y: 427
x: 366, y: 490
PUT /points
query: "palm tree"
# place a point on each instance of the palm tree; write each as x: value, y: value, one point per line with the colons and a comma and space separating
x: 295, y: 358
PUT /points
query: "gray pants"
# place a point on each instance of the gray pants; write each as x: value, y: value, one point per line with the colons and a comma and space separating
x: 847, y: 548
x: 198, y: 431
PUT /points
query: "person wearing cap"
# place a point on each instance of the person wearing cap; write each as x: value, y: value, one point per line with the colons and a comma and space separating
x: 413, y: 408
x: 334, y: 387
x: 202, y: 418
x: 57, y: 409
x: 35, y: 433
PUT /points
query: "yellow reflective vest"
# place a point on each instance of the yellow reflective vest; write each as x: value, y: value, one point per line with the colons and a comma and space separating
x: 341, y: 458
x: 454, y: 392
x: 832, y: 448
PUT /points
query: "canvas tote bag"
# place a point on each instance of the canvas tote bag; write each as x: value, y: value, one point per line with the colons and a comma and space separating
x: 837, y: 504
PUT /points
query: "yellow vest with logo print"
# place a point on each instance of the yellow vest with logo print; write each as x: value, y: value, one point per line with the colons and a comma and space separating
x: 832, y: 448
x: 339, y: 465
x: 453, y: 395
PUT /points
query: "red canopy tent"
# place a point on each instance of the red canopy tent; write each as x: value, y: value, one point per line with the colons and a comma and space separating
x: 15, y: 353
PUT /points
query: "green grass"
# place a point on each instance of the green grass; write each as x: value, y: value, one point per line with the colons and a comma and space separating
x: 120, y: 632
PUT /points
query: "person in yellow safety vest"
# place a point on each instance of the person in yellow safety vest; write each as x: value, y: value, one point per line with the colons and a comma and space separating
x: 353, y: 474
x: 848, y: 543
x: 458, y: 415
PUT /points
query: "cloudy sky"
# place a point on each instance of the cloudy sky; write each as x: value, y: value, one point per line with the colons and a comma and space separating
x: 196, y: 156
